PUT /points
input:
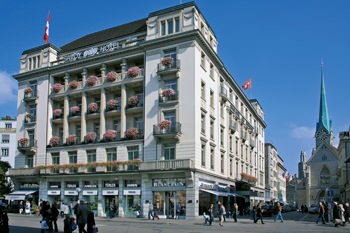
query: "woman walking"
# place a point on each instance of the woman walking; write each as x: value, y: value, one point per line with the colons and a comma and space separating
x: 259, y: 214
x: 279, y: 212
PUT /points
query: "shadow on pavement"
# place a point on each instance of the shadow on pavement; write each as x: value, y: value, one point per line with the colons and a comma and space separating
x: 16, y: 229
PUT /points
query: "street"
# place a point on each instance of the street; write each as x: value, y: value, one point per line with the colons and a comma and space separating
x: 294, y: 222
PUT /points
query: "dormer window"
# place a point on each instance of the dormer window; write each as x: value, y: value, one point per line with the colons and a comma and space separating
x: 170, y: 26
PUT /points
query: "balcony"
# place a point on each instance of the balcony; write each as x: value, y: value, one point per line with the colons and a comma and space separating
x: 168, y: 132
x: 23, y: 172
x: 223, y: 93
x: 135, y: 104
x: 169, y: 99
x: 115, y: 111
x: 74, y: 116
x: 29, y: 120
x: 30, y: 97
x: 93, y: 114
x: 167, y: 67
x: 248, y: 178
x: 57, y: 119
x: 133, y: 134
x: 177, y: 164
x: 139, y: 74
x: 26, y: 146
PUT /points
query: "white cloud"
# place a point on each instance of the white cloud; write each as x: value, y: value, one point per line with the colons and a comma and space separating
x: 303, y: 132
x: 8, y: 88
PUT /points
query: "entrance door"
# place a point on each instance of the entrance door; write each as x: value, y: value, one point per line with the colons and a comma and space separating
x: 111, y: 206
x: 170, y: 204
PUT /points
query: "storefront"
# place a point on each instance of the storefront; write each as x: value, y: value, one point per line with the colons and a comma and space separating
x: 111, y: 200
x: 132, y: 197
x: 54, y: 193
x: 90, y: 194
x: 169, y: 197
x: 71, y: 194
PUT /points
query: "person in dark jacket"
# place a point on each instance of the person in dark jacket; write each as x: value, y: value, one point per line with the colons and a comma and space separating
x: 82, y: 213
x: 259, y: 214
x: 4, y: 221
x: 67, y: 224
x: 90, y: 221
x: 54, y: 213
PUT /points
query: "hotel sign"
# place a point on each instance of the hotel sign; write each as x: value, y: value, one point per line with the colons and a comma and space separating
x: 109, y: 47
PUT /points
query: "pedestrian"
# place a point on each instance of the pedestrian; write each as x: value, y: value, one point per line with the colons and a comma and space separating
x: 325, y: 206
x: 155, y: 211
x: 4, y: 221
x: 67, y: 223
x: 81, y: 213
x: 150, y: 211
x: 211, y: 214
x: 221, y: 213
x: 341, y: 213
x: 346, y: 212
x: 90, y: 222
x: 321, y: 214
x: 254, y: 213
x: 279, y: 212
x: 336, y: 214
x: 330, y: 212
x: 235, y: 212
x: 259, y: 214
x: 55, y: 213
x: 178, y: 210
x: 302, y: 208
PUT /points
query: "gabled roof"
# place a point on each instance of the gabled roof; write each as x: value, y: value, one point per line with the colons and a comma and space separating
x: 331, y: 148
x: 107, y: 34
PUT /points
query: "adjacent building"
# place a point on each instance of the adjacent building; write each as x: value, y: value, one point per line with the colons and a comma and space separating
x: 141, y: 114
x: 8, y: 143
x: 343, y: 165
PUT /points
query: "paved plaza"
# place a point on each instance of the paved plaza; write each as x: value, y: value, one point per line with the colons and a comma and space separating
x: 294, y: 222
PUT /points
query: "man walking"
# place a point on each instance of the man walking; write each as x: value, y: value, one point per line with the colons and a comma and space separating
x: 259, y: 213
x: 321, y: 214
x: 279, y: 212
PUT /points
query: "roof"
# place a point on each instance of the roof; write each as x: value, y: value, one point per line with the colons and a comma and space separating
x: 107, y: 34
x: 171, y: 9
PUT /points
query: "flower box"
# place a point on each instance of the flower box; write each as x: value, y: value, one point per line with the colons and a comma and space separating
x: 131, y: 133
x: 91, y: 80
x: 133, y: 100
x: 93, y: 107
x: 168, y: 92
x: 57, y: 87
x: 167, y: 61
x: 71, y: 140
x: 57, y: 113
x: 73, y: 84
x: 112, y: 104
x: 28, y: 91
x: 111, y: 76
x: 110, y: 135
x: 164, y: 124
x: 133, y: 71
x: 54, y: 141
x: 90, y: 137
x: 248, y: 178
x: 75, y: 109
x: 23, y: 141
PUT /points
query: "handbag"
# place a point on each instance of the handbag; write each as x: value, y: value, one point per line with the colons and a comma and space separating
x: 44, y: 224
x: 94, y: 229
x: 74, y: 226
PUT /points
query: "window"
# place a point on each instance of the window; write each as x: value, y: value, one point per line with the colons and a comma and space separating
x: 170, y: 26
x: 116, y: 125
x: 139, y: 125
x: 203, y: 123
x: 31, y: 137
x: 211, y: 129
x: 77, y: 133
x: 230, y: 142
x: 203, y: 63
x: 8, y: 125
x: 203, y: 155
x: 203, y: 90
x: 169, y: 151
x: 236, y: 169
x: 170, y: 116
x: 97, y: 130
x: 91, y: 158
x: 222, y: 137
x: 222, y: 163
x: 133, y: 152
x: 212, y: 158
x: 4, y: 152
x: 163, y: 28
x: 5, y: 138
x: 177, y: 24
x: 111, y: 156
x: 55, y: 161
x: 212, y: 99
x: 170, y: 84
x: 211, y: 70
x: 73, y: 159
x: 32, y: 112
x: 29, y: 161
x: 222, y: 110
x: 231, y: 167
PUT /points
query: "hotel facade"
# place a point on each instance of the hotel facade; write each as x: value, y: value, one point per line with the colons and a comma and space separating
x: 141, y: 114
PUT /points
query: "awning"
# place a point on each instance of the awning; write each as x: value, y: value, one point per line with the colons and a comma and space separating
x: 218, y: 193
x: 18, y: 195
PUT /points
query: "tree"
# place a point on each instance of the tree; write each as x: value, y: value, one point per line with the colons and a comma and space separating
x: 7, y: 118
x: 5, y: 184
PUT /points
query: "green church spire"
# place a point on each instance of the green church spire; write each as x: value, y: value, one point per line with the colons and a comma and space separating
x: 323, y: 119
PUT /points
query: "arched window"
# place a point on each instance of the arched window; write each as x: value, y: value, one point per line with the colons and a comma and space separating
x: 325, y: 176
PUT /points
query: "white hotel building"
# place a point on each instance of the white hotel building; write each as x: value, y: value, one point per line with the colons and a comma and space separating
x: 8, y: 143
x: 145, y: 112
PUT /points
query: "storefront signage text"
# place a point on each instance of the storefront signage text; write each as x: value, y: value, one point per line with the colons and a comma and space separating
x: 169, y: 182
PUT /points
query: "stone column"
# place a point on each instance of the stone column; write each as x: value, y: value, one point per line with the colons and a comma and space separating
x: 123, y: 100
x: 83, y: 114
x: 121, y: 212
x: 84, y: 75
x: 102, y: 113
x: 103, y: 72
x: 65, y: 119
x: 66, y: 81
x: 122, y: 111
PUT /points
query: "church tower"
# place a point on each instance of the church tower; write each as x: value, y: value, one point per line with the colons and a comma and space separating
x: 324, y: 132
x: 302, y: 165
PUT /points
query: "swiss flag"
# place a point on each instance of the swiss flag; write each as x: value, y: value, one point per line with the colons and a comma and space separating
x: 46, y: 34
x: 247, y: 84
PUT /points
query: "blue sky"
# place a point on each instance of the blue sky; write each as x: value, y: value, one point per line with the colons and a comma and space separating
x: 278, y: 44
